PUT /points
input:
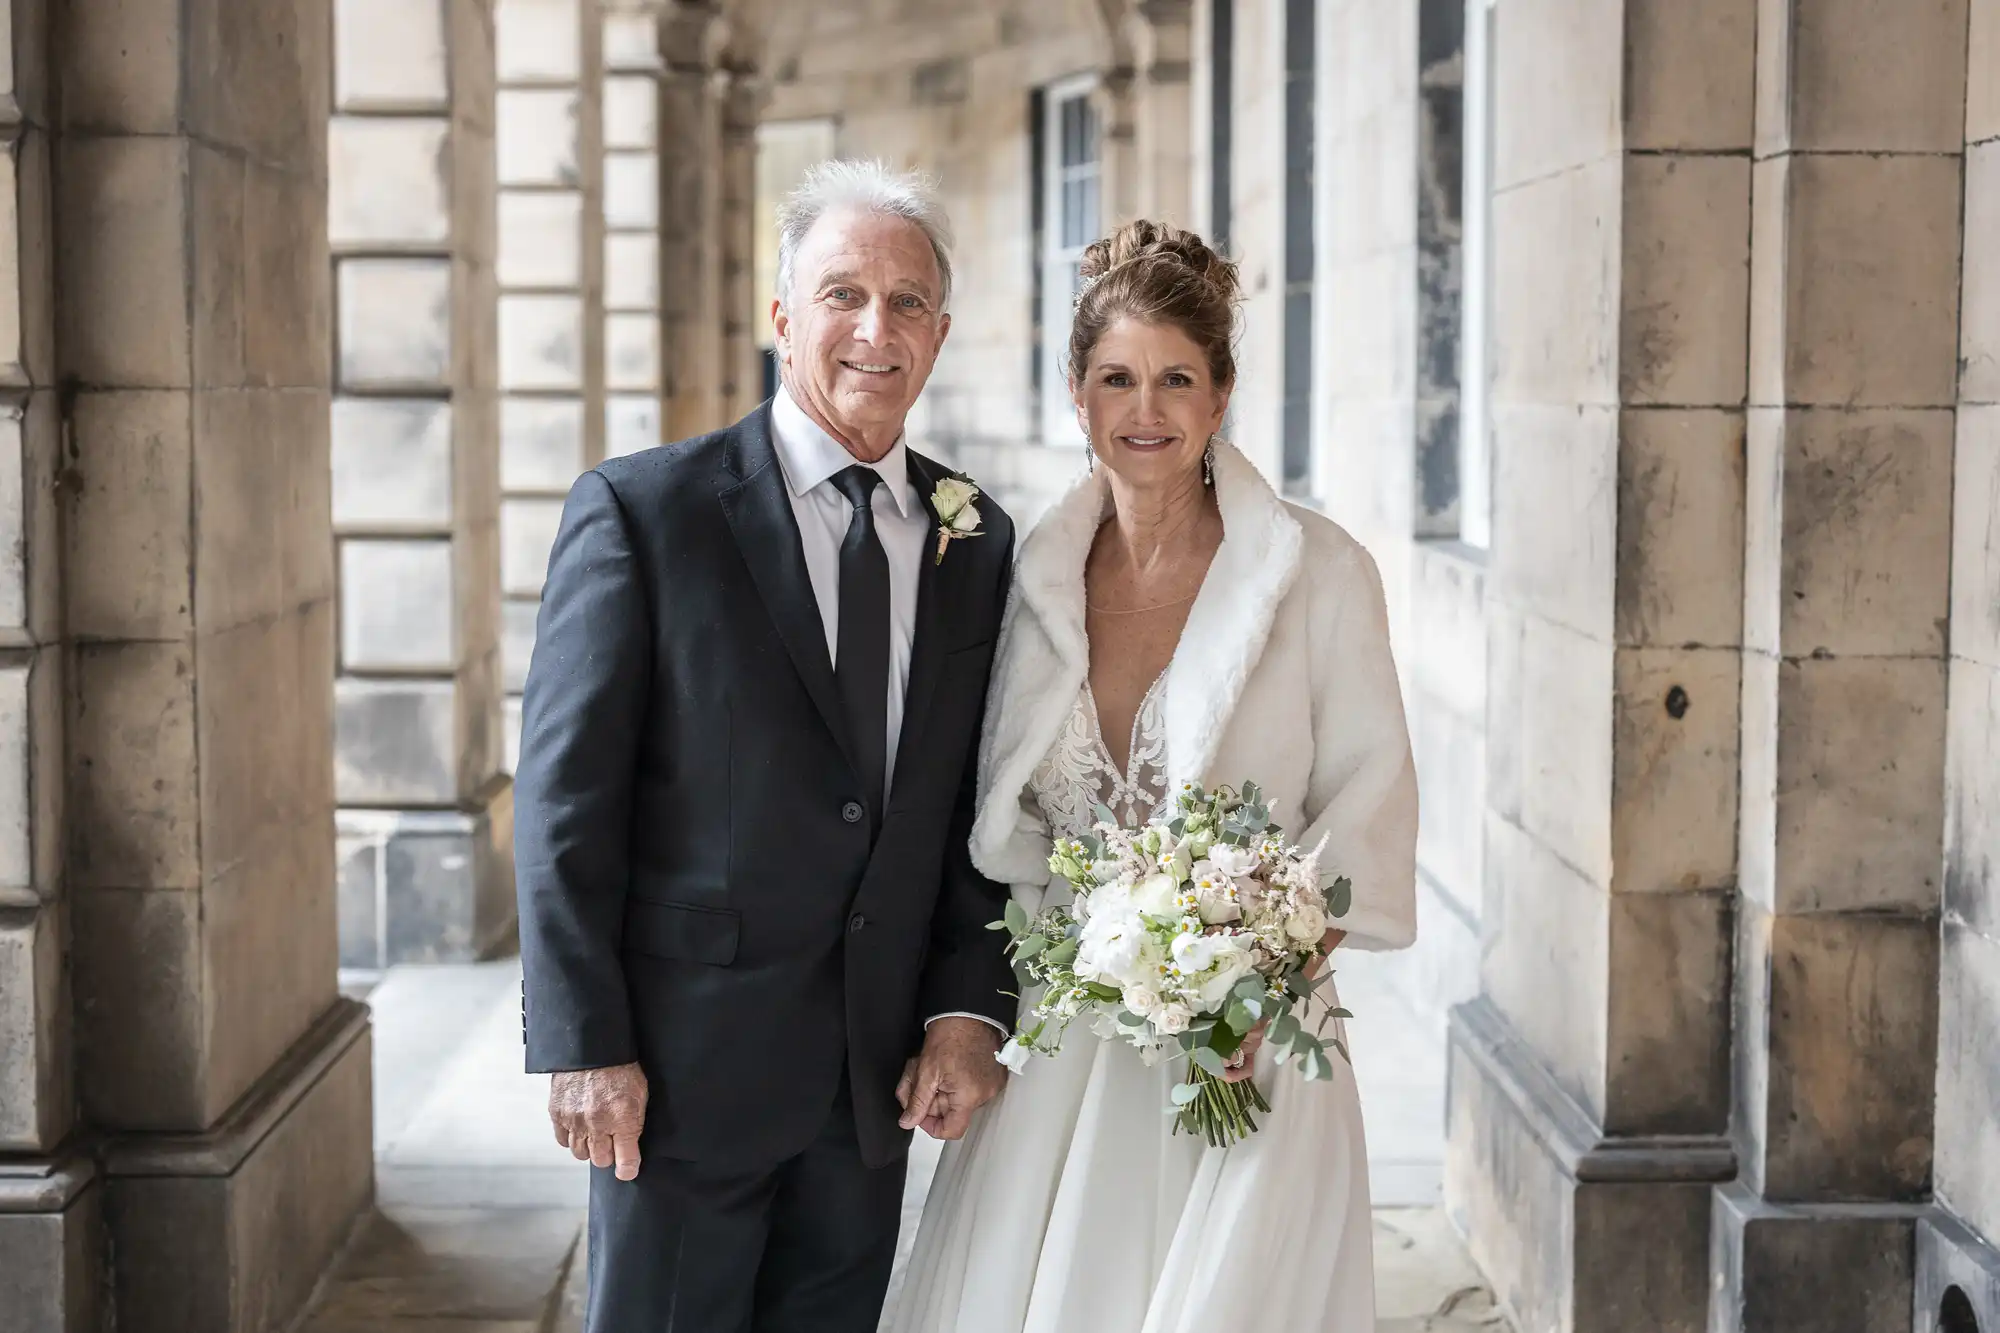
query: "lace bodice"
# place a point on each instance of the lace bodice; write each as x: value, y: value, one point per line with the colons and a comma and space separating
x: 1078, y: 774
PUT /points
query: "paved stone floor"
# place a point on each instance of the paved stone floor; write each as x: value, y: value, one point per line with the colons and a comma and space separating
x: 479, y: 1219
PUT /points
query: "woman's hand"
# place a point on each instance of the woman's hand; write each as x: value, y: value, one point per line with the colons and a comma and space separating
x: 1242, y: 1064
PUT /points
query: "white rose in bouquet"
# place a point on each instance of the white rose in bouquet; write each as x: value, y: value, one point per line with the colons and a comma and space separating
x: 1215, y: 894
x: 1306, y: 924
x: 1142, y: 1000
x: 1233, y: 861
x: 1110, y: 948
x: 1173, y: 1019
x: 1211, y: 964
x: 1154, y: 895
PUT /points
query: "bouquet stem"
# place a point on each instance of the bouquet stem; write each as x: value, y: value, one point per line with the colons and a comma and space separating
x: 1221, y: 1111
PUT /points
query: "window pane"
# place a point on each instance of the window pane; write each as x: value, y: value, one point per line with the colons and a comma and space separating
x: 1072, y: 214
x: 1072, y: 131
x: 1087, y: 131
x: 1091, y: 225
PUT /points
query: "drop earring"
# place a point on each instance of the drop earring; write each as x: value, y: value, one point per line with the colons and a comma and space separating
x: 1208, y: 463
x: 1089, y: 453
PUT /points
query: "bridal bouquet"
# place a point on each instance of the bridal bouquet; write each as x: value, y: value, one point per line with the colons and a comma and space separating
x: 1182, y: 937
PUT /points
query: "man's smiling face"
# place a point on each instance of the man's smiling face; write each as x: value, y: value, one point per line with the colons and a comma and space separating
x: 862, y: 326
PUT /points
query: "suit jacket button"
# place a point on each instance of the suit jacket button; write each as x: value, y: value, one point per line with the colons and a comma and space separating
x: 852, y: 812
x: 856, y: 922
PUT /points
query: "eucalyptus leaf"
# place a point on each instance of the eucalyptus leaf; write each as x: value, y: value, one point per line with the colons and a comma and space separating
x: 1285, y: 1029
x: 1184, y: 1093
x: 996, y: 925
x: 1132, y: 1020
x: 1017, y: 917
x: 1206, y: 1057
x: 1032, y: 946
x: 1103, y: 815
x: 1340, y: 897
x: 1251, y: 791
x: 1239, y: 1017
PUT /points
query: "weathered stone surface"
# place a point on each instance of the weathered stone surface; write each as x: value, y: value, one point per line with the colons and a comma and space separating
x: 1826, y: 994
x: 1849, y: 509
x: 387, y: 181
x: 499, y: 1265
x: 241, y: 1249
x: 1557, y: 320
x: 1968, y: 1136
x: 1690, y: 72
x: 1972, y: 798
x: 1958, y: 1276
x: 541, y: 239
x: 631, y: 190
x: 1684, y: 286
x: 541, y: 444
x: 1558, y: 73
x: 121, y: 66
x: 1565, y: 744
x: 27, y: 319
x: 287, y: 282
x: 390, y: 55
x: 1854, y: 280
x: 1847, y: 75
x: 1543, y: 959
x: 632, y: 352
x: 1680, y: 529
x: 132, y: 810
x: 394, y: 742
x: 1843, y: 783
x: 1791, y: 1269
x: 541, y: 342
x: 537, y: 134
x: 396, y: 605
x: 129, y: 557
x: 1567, y: 458
x: 1667, y: 1027
x: 1979, y: 329
x: 632, y: 271
x: 124, y: 317
x: 35, y: 1103
x: 392, y: 464
x: 395, y: 323
x: 137, y: 982
x: 239, y: 495
x: 538, y: 41
x: 527, y: 533
x: 50, y: 1267
x: 1674, y: 770
x: 1982, y: 92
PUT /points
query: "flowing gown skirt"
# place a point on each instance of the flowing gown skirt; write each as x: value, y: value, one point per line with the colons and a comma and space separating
x: 1072, y: 1207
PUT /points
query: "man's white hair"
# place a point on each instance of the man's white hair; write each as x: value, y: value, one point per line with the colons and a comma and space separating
x: 873, y: 187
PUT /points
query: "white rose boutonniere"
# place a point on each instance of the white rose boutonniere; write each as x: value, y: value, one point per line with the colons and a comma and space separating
x: 957, y: 514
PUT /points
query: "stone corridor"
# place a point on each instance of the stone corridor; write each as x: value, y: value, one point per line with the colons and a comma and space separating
x: 1651, y: 347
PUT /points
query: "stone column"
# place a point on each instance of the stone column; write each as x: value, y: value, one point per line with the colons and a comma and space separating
x: 1164, y: 110
x: 425, y: 810
x: 690, y: 220
x: 1958, y: 1244
x: 1853, y: 376
x: 632, y: 358
x: 50, y: 1207
x: 741, y: 382
x: 1120, y: 182
x: 1590, y: 1084
x: 552, y: 408
x: 225, y: 1080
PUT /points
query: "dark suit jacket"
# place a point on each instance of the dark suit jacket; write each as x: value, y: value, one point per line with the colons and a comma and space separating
x: 698, y: 887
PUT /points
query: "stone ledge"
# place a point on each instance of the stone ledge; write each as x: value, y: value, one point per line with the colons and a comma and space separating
x: 1952, y: 1257
x: 427, y: 886
x: 1808, y: 1268
x: 49, y: 1258
x: 46, y: 1185
x: 273, y: 1098
x: 1572, y: 1138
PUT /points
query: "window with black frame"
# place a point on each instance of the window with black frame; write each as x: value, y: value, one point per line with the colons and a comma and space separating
x: 1071, y: 175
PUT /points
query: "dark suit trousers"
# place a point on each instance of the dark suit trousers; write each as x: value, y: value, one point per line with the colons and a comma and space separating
x: 804, y: 1246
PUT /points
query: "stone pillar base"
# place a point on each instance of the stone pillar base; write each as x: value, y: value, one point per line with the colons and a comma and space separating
x: 1575, y: 1230
x: 228, y: 1231
x: 1809, y: 1268
x: 1958, y: 1276
x: 51, y: 1224
x: 427, y: 886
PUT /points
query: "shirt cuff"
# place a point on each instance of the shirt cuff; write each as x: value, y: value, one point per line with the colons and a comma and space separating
x: 1004, y: 1033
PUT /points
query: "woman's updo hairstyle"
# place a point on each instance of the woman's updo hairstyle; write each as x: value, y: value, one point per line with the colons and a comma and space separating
x: 1157, y: 274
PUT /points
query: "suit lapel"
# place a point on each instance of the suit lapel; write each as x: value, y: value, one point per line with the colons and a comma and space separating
x: 934, y: 584
x: 760, y: 517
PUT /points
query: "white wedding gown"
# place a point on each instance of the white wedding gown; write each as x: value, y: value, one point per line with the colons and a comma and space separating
x: 1072, y: 1207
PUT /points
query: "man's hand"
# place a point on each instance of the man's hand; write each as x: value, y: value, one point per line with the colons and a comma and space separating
x: 598, y: 1114
x: 954, y: 1076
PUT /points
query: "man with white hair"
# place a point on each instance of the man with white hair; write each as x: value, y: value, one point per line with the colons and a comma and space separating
x: 753, y: 942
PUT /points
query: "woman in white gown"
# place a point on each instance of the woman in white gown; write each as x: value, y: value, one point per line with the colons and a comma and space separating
x: 1173, y: 620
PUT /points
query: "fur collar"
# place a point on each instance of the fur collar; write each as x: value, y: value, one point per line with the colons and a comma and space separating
x: 1226, y: 629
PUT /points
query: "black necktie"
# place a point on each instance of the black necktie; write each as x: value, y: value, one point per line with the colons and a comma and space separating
x: 861, y: 659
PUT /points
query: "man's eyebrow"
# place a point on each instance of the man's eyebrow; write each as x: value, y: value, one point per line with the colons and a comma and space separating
x: 847, y: 276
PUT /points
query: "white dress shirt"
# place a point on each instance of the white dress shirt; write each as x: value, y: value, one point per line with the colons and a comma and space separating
x: 809, y: 458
